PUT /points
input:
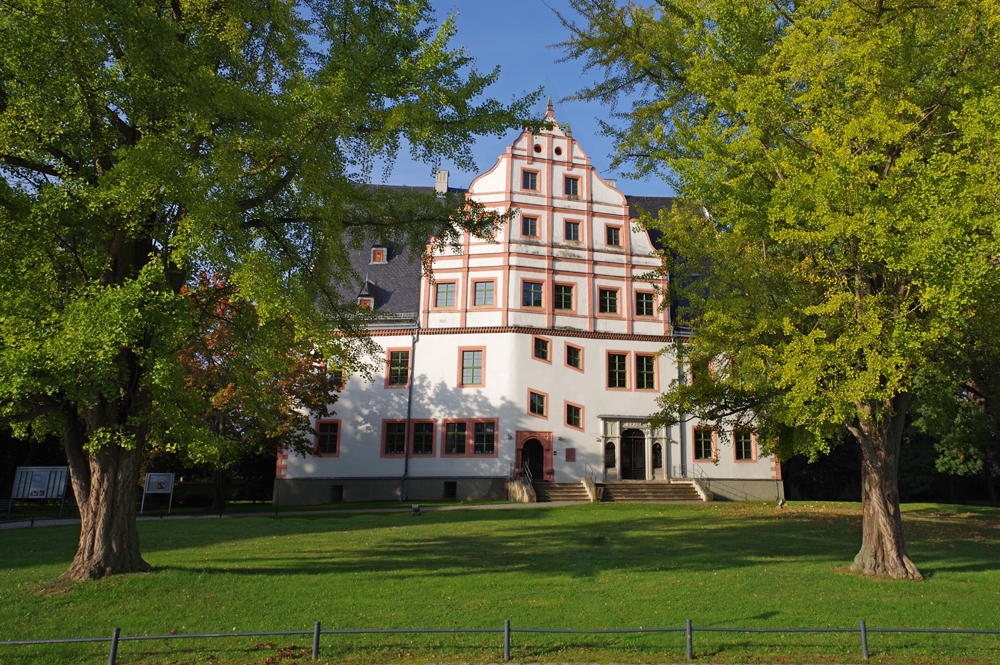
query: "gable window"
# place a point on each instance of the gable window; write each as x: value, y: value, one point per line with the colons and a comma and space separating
x: 644, y: 304
x: 423, y: 438
x: 617, y: 370
x: 563, y: 296
x: 572, y: 231
x: 572, y: 187
x: 327, y: 439
x: 529, y: 180
x: 445, y: 295
x: 484, y: 438
x: 541, y: 349
x: 472, y: 368
x: 574, y: 357
x: 532, y: 296
x: 454, y: 438
x: 529, y: 227
x: 395, y: 439
x: 574, y: 416
x: 743, y: 440
x: 608, y: 301
x: 614, y: 237
x: 703, y: 443
x: 645, y: 372
x: 399, y: 369
x: 483, y: 294
x: 378, y: 255
x: 536, y: 404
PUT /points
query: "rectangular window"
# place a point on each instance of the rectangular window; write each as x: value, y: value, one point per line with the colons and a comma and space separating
x: 541, y: 350
x: 644, y: 304
x: 703, y: 444
x: 529, y: 180
x: 574, y: 357
x: 472, y: 368
x: 529, y: 226
x: 572, y: 187
x: 483, y: 294
x: 395, y: 438
x: 327, y: 437
x: 617, y: 370
x: 743, y: 440
x: 399, y: 368
x: 564, y: 296
x: 445, y: 295
x: 532, y: 294
x: 574, y: 416
x: 337, y: 375
x: 454, y: 439
x: 614, y: 236
x: 423, y: 438
x: 485, y: 435
x: 536, y: 404
x: 608, y: 301
x: 572, y: 232
x: 645, y: 372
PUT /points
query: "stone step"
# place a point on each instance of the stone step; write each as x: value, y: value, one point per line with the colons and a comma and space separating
x: 559, y: 491
x: 649, y: 492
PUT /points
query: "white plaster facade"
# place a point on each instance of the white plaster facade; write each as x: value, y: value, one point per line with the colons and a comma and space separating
x: 563, y: 274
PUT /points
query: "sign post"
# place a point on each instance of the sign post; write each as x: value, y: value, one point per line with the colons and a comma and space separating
x: 39, y: 482
x: 158, y: 483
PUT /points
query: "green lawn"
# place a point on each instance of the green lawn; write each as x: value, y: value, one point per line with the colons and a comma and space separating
x: 589, y: 566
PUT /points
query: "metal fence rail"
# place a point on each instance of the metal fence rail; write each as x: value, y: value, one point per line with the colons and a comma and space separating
x: 688, y: 629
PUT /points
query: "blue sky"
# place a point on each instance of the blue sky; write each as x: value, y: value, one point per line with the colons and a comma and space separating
x: 516, y: 34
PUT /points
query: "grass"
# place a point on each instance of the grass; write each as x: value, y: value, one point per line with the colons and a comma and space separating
x: 590, y: 566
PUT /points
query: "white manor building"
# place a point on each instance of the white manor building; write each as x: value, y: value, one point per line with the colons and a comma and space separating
x: 538, y: 352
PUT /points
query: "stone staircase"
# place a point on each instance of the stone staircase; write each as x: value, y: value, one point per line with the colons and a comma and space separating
x: 650, y: 492
x: 545, y: 491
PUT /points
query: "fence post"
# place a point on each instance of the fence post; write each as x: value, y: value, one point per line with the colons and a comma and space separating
x: 864, y: 640
x: 316, y: 642
x: 114, y: 646
x: 506, y: 640
x: 687, y: 631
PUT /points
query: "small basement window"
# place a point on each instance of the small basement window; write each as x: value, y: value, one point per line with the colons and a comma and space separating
x: 336, y: 494
x: 451, y: 489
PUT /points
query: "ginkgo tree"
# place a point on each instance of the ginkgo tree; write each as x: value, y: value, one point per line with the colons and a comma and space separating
x: 835, y: 165
x: 141, y: 142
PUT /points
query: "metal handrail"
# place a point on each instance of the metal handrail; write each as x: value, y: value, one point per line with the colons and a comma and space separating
x: 526, y: 472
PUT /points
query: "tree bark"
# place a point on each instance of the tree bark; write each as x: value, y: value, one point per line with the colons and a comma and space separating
x: 883, y: 550
x: 106, y: 485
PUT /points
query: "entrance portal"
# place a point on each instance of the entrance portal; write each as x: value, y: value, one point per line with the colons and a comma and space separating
x: 533, y: 456
x: 633, y: 455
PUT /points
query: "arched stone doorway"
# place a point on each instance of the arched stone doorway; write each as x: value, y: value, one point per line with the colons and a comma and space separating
x: 535, y: 450
x: 633, y: 455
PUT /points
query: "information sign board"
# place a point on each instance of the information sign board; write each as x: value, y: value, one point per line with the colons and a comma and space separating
x: 158, y: 483
x: 40, y: 482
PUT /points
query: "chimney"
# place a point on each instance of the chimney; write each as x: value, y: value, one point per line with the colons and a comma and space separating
x: 612, y: 182
x: 441, y: 182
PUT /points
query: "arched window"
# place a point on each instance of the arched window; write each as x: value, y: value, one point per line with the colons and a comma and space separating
x: 609, y: 455
x: 657, y: 456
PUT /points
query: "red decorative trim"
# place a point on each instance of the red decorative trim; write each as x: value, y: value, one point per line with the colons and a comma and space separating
x: 385, y: 423
x: 461, y: 367
x: 340, y: 436
x: 548, y: 404
x: 409, y: 367
x: 566, y: 357
x: 470, y: 437
x: 485, y: 330
x: 628, y: 369
x: 753, y: 448
x: 549, y: 346
x: 656, y: 373
x: 566, y: 405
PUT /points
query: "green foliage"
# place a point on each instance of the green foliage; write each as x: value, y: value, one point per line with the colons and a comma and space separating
x: 142, y: 142
x: 837, y: 217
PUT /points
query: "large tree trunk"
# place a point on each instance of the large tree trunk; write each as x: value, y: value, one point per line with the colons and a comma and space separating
x: 106, y: 485
x: 883, y: 551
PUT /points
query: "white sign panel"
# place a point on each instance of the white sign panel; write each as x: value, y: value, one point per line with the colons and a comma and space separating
x: 159, y: 483
x: 40, y: 482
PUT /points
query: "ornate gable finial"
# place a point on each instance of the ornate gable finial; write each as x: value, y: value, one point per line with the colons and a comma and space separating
x: 549, y: 113
x: 569, y: 131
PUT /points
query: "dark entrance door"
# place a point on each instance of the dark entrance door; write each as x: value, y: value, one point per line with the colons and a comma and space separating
x: 533, y: 456
x: 633, y: 455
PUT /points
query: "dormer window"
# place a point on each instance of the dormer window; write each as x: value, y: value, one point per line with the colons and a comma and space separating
x: 378, y: 255
x: 366, y: 302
